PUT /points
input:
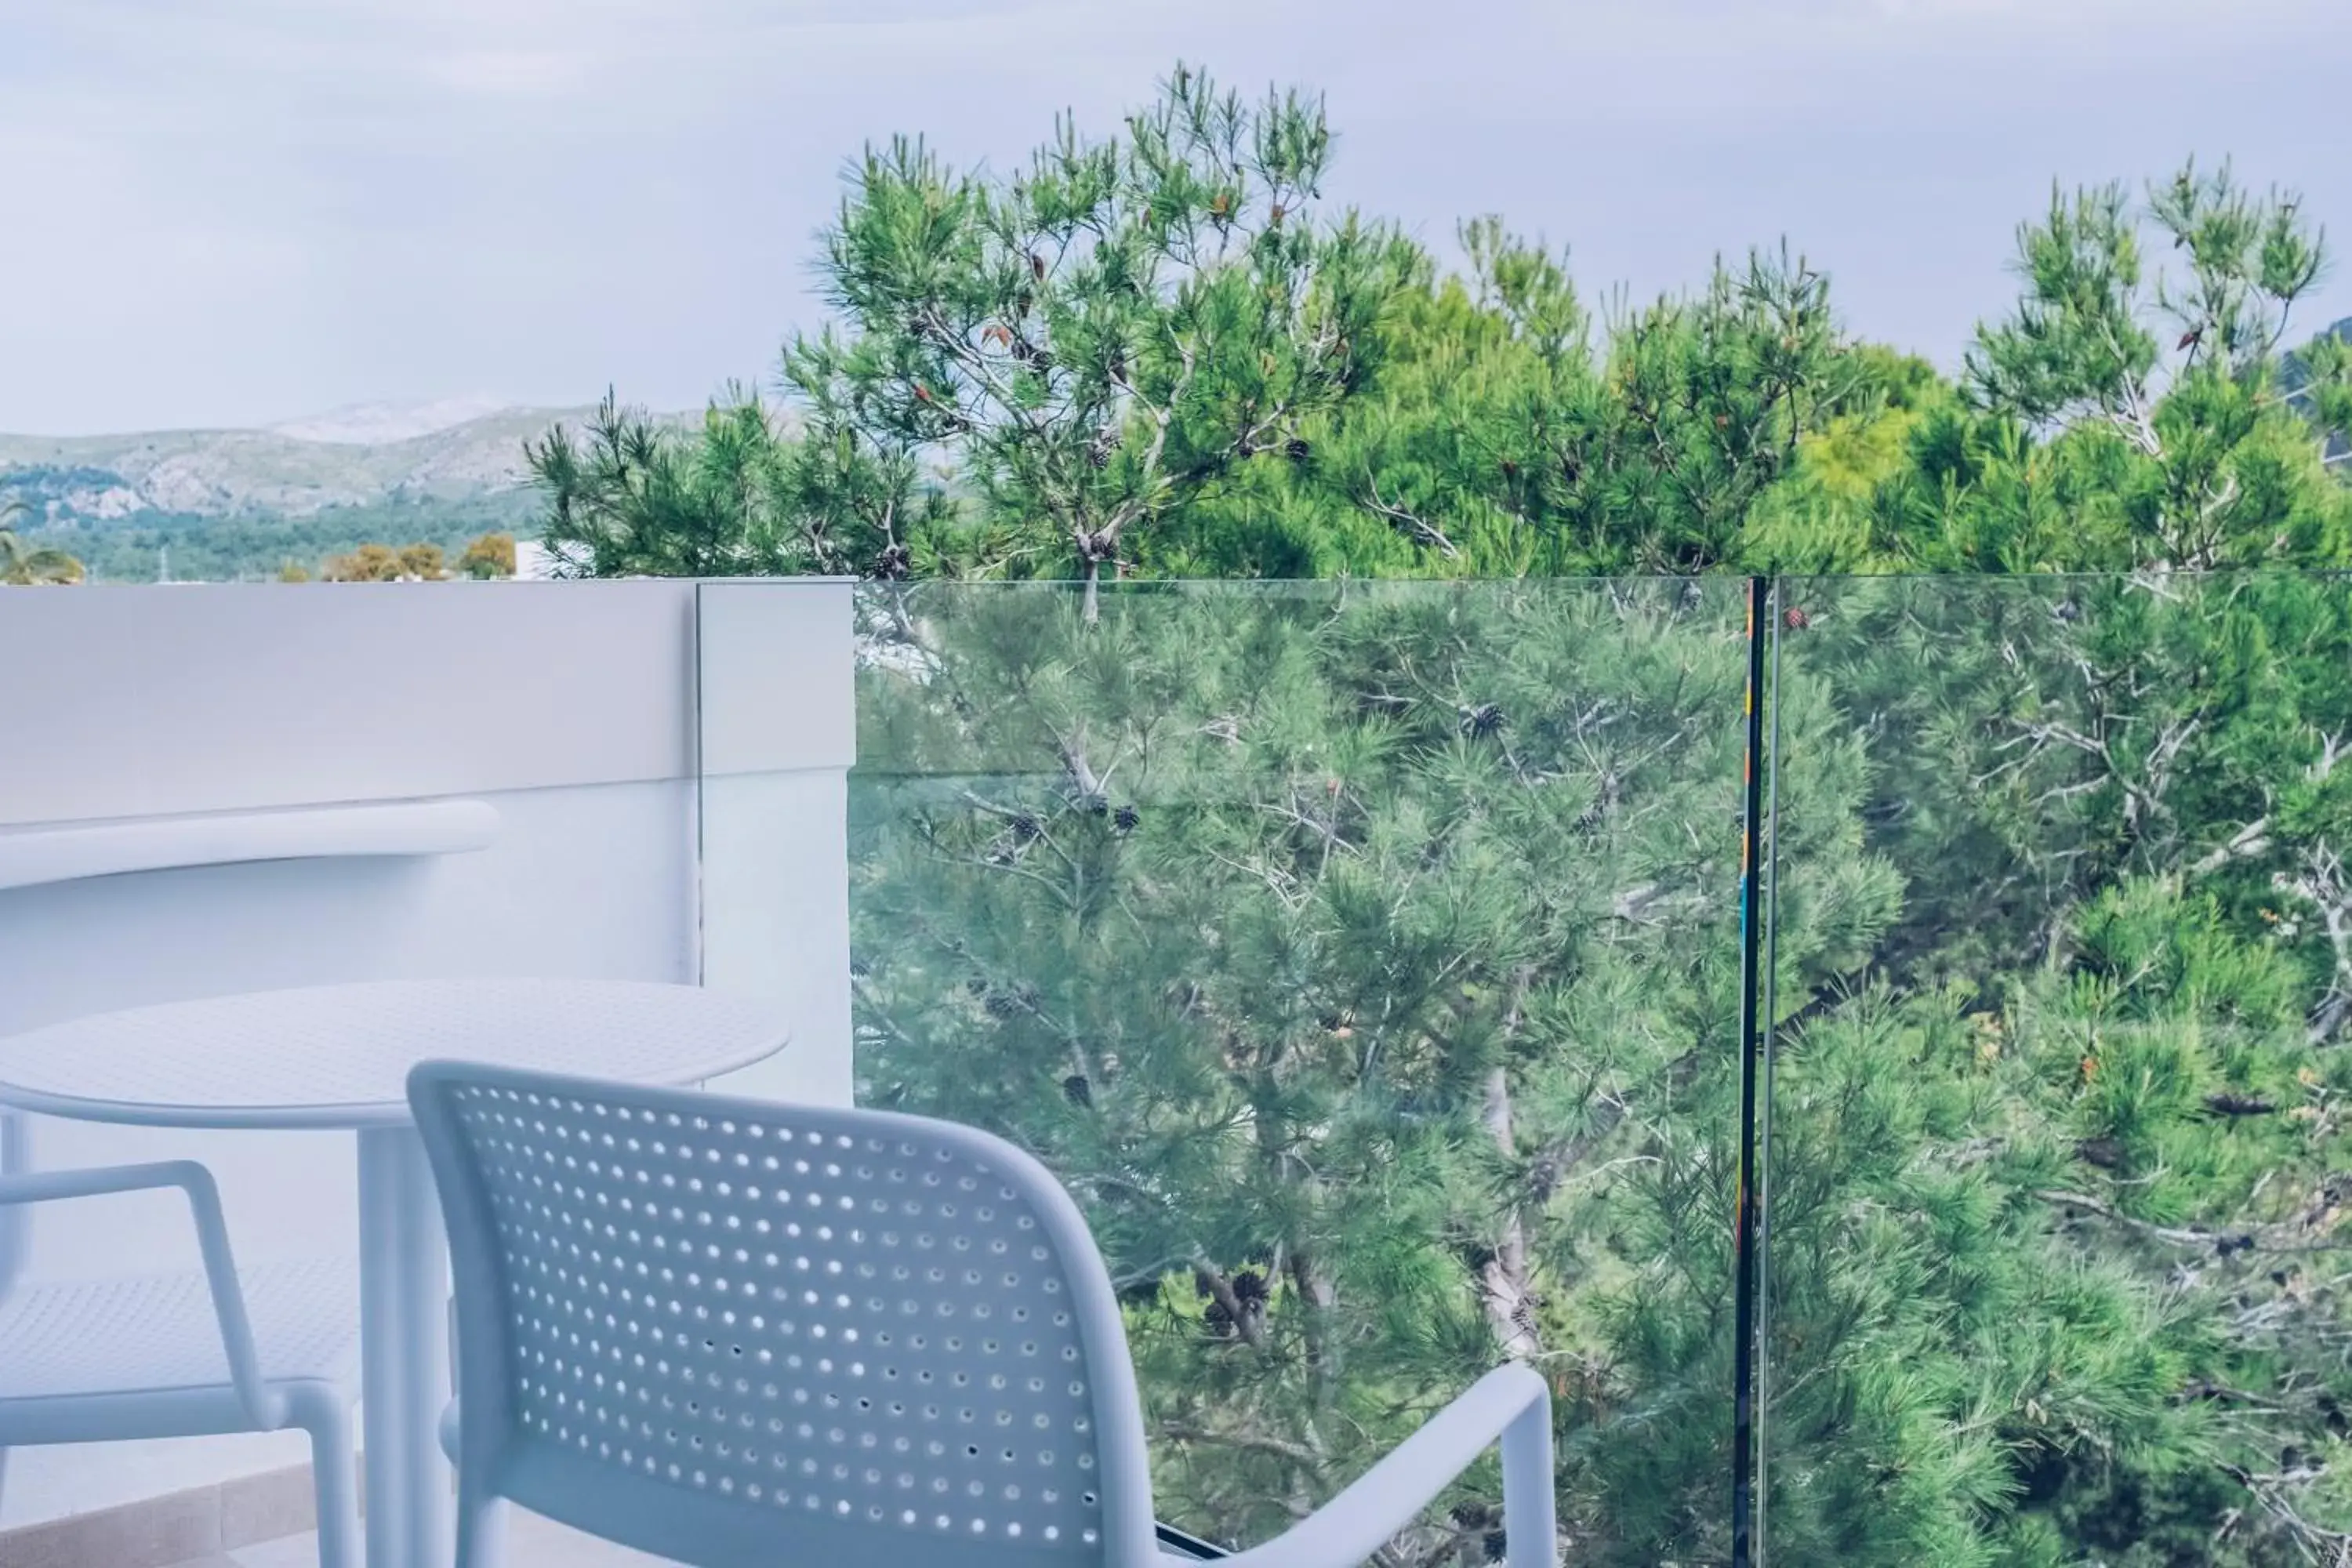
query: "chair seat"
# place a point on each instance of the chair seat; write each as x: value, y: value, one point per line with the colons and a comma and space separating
x: 156, y: 1332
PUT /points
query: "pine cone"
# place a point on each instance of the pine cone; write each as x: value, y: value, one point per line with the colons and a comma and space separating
x: 1025, y: 828
x: 1125, y: 818
x: 1795, y: 618
x: 1001, y: 1006
x: 1076, y: 1091
x: 2103, y: 1153
x: 2226, y: 1104
x: 1298, y: 450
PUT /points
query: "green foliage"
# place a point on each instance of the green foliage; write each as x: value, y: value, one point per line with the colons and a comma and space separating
x: 1373, y: 946
x: 2201, y: 466
x: 1009, y: 395
x: 2317, y: 380
x: 200, y: 549
x: 633, y: 498
x: 1095, y: 341
x: 28, y: 565
x: 491, y: 556
x: 382, y: 564
x: 2118, y: 806
x: 1499, y: 439
x: 1363, y: 953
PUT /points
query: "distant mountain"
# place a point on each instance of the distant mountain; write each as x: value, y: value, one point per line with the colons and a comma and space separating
x: 380, y: 424
x: 453, y: 451
x: 200, y: 505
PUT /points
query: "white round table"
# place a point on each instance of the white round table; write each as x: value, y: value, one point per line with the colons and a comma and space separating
x: 338, y: 1056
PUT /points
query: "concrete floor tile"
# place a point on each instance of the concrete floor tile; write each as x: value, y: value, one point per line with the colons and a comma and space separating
x: 531, y: 1543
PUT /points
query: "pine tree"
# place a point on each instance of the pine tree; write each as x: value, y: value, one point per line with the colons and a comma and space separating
x: 1363, y: 954
x: 1106, y: 334
x: 741, y: 495
x: 1365, y: 960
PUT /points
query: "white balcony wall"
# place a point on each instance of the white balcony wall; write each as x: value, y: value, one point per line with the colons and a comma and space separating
x: 570, y: 709
x: 774, y: 832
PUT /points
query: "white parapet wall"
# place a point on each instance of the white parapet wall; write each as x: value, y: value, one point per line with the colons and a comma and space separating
x: 207, y: 790
x: 772, y: 677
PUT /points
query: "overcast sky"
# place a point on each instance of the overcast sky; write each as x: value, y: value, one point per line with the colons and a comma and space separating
x: 229, y: 212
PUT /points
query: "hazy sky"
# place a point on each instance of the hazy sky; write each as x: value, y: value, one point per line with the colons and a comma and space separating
x: 225, y: 212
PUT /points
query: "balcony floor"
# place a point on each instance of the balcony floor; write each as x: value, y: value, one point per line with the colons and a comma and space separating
x: 531, y: 1543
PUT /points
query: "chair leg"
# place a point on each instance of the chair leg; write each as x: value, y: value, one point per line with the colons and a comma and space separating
x: 334, y: 1480
x: 481, y: 1529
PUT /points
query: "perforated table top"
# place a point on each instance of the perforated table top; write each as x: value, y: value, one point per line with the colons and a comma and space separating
x: 337, y: 1055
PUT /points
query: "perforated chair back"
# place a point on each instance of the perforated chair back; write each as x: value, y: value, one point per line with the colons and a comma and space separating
x: 729, y: 1331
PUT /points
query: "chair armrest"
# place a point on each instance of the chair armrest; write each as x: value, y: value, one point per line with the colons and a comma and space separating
x: 1511, y: 1405
x: 262, y: 1407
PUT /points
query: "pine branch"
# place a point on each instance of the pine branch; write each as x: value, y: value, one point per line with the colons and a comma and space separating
x: 1298, y: 1454
x: 2176, y: 1236
x: 1421, y: 531
x: 1247, y: 1319
x: 1559, y: 1159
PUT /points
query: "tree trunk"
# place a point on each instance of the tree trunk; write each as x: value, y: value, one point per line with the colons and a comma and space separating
x: 1503, y: 1283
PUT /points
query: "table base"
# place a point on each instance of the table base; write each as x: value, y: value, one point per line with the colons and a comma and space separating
x: 404, y: 1338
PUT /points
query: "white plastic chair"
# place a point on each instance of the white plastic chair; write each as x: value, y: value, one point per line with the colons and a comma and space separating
x: 173, y: 1355
x: 733, y: 1333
